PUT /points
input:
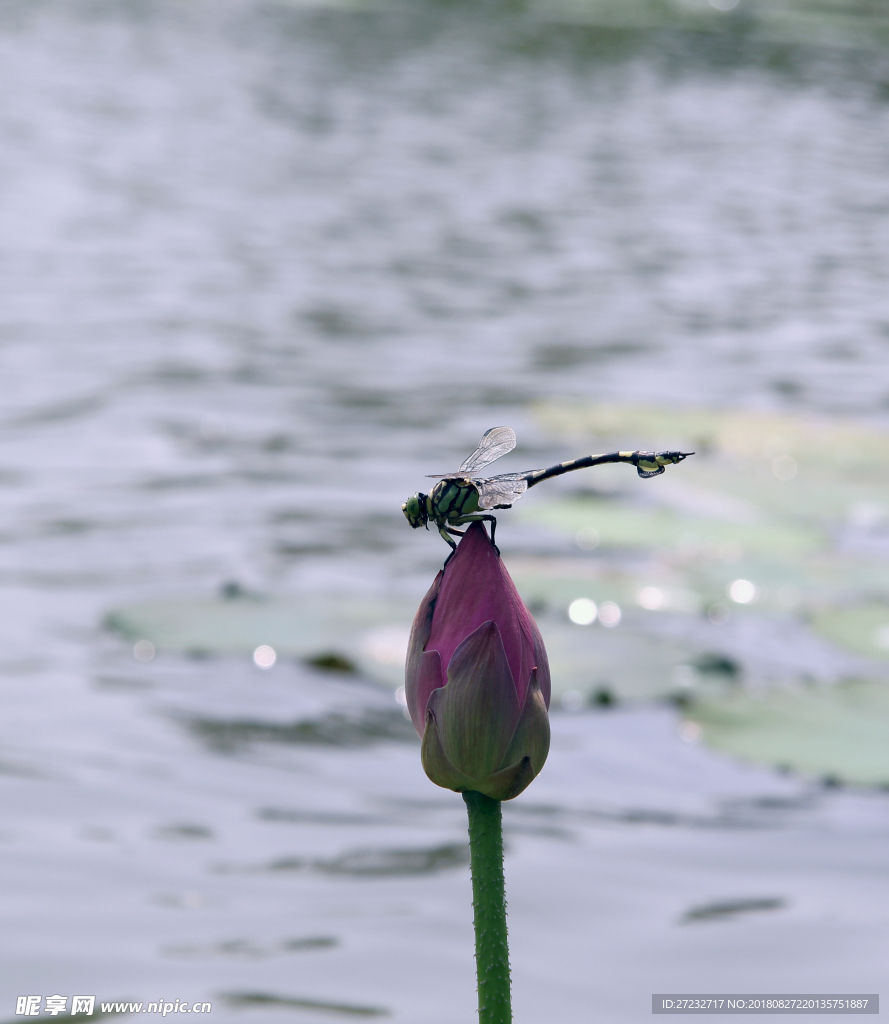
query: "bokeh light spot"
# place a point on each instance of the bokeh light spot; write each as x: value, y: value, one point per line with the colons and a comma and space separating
x: 264, y: 656
x: 143, y: 651
x: 784, y: 468
x: 690, y: 732
x: 387, y: 646
x: 718, y: 614
x: 651, y: 598
x: 587, y: 538
x: 609, y: 614
x: 583, y: 611
x: 742, y: 591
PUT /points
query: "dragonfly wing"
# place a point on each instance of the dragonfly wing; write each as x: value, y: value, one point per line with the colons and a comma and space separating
x: 495, y: 442
x: 496, y: 491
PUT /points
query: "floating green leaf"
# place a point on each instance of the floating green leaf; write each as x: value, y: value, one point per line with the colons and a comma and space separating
x: 863, y: 628
x: 840, y: 731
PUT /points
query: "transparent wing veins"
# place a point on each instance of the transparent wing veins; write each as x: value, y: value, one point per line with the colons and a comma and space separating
x: 493, y: 444
x: 500, y: 490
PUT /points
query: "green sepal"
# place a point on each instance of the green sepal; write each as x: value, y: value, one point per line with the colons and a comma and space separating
x: 531, y: 736
x: 477, y: 712
x: 436, y: 762
x: 509, y: 782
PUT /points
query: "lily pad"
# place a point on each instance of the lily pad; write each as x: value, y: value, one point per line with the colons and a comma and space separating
x: 840, y: 731
x: 863, y: 629
x: 621, y: 524
x: 626, y: 664
x: 326, y: 632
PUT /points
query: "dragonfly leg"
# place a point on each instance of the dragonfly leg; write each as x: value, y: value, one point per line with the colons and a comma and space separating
x: 477, y: 519
x: 441, y: 530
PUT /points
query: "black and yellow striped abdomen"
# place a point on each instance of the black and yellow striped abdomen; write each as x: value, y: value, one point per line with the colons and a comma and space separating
x: 647, y: 464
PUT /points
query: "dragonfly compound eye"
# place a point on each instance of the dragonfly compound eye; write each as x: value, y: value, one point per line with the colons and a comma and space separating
x: 415, y: 510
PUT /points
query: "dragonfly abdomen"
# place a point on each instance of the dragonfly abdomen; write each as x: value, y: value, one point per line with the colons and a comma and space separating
x: 538, y: 475
x: 646, y: 463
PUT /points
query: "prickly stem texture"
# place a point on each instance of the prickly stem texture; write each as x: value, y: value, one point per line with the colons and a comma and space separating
x: 489, y: 904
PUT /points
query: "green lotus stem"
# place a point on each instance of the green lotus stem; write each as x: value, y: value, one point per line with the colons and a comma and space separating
x: 489, y: 904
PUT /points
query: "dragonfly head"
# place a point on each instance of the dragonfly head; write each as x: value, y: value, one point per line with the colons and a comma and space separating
x: 415, y: 510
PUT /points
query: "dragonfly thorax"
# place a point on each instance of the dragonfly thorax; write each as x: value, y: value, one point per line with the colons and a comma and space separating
x: 451, y: 499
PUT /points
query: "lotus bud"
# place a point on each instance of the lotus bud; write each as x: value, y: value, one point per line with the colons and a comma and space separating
x: 477, y: 677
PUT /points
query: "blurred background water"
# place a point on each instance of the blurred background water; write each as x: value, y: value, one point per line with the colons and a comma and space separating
x: 265, y: 265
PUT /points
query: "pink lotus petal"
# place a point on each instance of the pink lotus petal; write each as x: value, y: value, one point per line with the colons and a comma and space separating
x: 476, y: 588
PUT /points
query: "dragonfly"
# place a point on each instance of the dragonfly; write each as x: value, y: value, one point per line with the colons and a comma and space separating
x: 464, y: 497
